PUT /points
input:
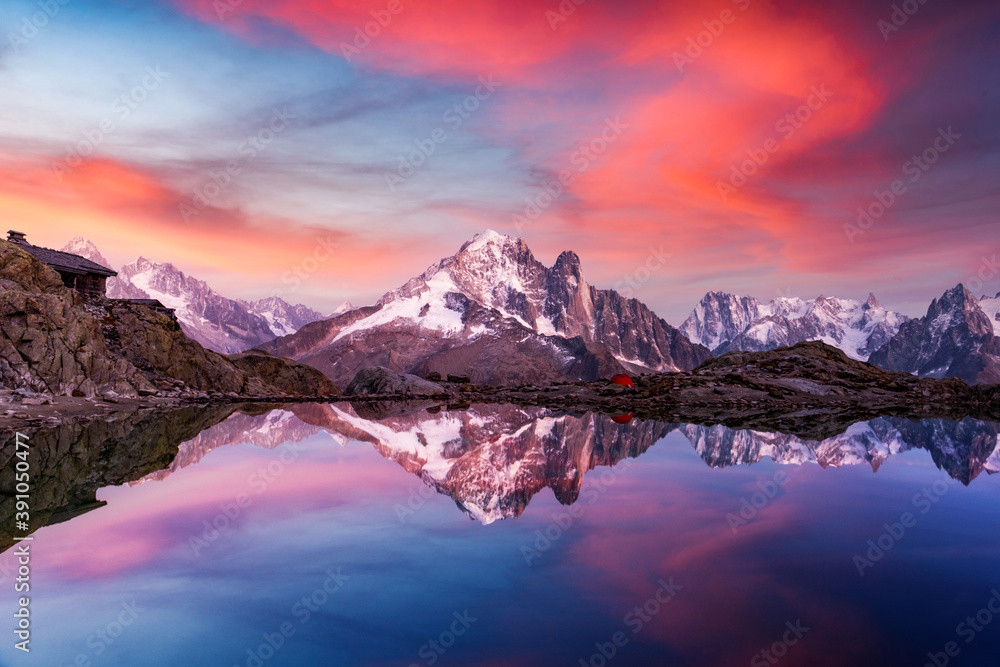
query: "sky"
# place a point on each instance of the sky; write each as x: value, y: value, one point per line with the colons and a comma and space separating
x: 331, y: 150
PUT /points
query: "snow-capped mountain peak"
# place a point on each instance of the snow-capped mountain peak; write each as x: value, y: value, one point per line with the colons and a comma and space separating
x: 486, y: 240
x: 218, y: 323
x: 282, y: 317
x: 345, y: 307
x: 496, y: 313
x: 956, y: 338
x: 500, y: 273
x: 719, y: 317
x: 85, y: 248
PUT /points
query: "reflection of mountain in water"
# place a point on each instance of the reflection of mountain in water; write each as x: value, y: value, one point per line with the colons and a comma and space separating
x: 964, y: 449
x: 267, y: 430
x: 492, y: 459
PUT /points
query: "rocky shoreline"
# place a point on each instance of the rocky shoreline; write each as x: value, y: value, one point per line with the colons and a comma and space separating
x: 810, y: 389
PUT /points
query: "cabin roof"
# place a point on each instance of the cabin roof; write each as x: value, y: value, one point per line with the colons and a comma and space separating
x: 67, y: 262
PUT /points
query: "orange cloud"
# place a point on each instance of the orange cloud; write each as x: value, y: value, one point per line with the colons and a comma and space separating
x: 128, y: 211
x: 694, y: 113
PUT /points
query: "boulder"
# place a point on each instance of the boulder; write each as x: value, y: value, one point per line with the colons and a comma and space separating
x: 378, y: 380
x: 283, y: 376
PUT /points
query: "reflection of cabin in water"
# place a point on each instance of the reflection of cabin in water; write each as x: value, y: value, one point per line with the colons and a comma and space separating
x: 86, y: 277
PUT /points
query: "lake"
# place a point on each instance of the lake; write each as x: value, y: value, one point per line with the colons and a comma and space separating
x: 502, y: 535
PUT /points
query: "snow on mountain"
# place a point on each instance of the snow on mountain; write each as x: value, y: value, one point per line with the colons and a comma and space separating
x: 992, y: 463
x: 719, y: 317
x: 863, y: 443
x: 725, y: 322
x: 267, y: 431
x: 218, y: 323
x: 956, y: 338
x: 495, y: 313
x: 84, y: 248
x: 991, y: 306
x: 282, y: 318
x: 345, y: 307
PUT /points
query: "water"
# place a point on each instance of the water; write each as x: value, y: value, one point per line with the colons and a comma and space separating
x: 315, y: 535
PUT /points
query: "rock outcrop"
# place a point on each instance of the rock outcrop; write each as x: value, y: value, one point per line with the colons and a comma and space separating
x: 49, y: 342
x: 283, y: 374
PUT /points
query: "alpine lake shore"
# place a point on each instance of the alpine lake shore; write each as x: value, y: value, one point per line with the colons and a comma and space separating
x: 810, y: 390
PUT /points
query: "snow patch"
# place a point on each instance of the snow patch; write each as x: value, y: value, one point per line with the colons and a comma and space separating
x: 437, y: 316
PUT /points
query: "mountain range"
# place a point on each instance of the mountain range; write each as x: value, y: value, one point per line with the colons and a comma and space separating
x: 496, y: 314
x: 217, y: 322
x: 726, y: 322
x: 957, y: 338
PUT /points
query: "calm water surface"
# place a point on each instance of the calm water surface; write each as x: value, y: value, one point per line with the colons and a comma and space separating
x: 334, y: 535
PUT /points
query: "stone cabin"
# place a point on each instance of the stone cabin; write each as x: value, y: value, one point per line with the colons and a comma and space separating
x: 79, y: 273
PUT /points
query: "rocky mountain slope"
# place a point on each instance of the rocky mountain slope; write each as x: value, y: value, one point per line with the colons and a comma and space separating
x: 725, y: 322
x: 495, y: 313
x: 955, y: 339
x: 53, y: 342
x: 217, y: 322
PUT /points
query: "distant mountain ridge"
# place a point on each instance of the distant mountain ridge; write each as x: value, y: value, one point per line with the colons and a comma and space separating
x: 726, y: 322
x: 217, y: 322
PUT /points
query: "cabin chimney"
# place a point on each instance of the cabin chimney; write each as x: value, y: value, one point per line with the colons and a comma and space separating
x: 16, y: 237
